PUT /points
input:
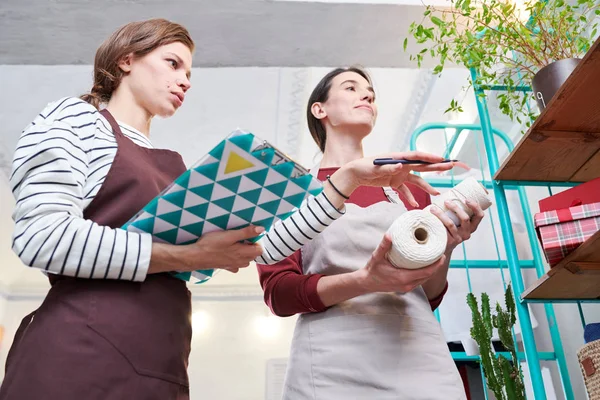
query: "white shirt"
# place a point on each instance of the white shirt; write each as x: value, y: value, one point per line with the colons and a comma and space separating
x: 62, y: 159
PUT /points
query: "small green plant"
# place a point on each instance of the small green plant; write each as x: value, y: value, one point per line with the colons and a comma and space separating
x: 507, y: 43
x: 504, y: 378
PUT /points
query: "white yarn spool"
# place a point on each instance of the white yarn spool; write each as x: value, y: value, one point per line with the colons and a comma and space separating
x: 418, y: 239
x: 468, y: 189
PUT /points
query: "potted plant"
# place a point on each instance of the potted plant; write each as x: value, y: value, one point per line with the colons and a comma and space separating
x: 503, y: 377
x: 538, y: 43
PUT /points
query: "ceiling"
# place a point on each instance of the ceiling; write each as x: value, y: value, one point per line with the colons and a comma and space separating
x: 228, y: 33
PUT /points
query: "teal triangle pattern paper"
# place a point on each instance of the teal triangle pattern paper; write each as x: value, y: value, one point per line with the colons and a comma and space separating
x: 184, y: 179
x: 252, y: 196
x: 246, y: 214
x: 151, y: 208
x: 146, y: 225
x: 226, y: 203
x: 303, y: 181
x: 232, y: 184
x: 177, y: 198
x: 217, y: 152
x: 271, y: 206
x: 242, y: 180
x: 203, y: 191
x: 195, y: 228
x: 168, y: 236
x: 209, y: 170
x: 221, y: 221
x: 296, y: 200
x: 265, y: 155
x: 285, y: 169
x: 278, y: 188
x: 259, y: 177
x: 243, y: 141
x: 172, y: 217
x: 266, y: 223
x: 199, y: 210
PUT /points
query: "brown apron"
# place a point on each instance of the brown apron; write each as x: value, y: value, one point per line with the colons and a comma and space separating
x: 109, y: 339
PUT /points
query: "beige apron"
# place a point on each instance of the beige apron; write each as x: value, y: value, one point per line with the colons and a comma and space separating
x: 373, y: 347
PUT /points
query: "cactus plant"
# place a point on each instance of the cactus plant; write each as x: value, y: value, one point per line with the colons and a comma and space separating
x: 504, y: 378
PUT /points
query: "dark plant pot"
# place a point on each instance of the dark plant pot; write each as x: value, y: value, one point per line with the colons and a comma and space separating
x: 549, y: 79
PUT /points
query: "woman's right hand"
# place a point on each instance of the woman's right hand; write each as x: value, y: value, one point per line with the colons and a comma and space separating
x: 379, y: 275
x: 222, y: 249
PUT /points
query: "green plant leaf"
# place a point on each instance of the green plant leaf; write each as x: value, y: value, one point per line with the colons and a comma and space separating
x: 437, y: 21
x: 405, y: 43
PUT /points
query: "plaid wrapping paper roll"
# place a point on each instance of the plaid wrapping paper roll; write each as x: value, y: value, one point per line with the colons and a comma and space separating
x: 562, y: 231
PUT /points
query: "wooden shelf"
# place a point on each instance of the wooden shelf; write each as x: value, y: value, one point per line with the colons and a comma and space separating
x: 563, y: 144
x: 577, y: 277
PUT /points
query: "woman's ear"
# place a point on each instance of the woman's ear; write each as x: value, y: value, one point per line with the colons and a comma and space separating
x: 318, y: 111
x: 125, y: 63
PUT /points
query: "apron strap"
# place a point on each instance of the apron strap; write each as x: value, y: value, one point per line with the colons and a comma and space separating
x: 113, y: 124
x: 391, y: 195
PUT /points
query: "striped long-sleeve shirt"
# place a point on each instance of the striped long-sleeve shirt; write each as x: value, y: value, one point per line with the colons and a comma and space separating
x: 60, y: 163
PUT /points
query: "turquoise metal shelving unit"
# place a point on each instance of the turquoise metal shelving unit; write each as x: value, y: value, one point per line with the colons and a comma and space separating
x: 530, y: 354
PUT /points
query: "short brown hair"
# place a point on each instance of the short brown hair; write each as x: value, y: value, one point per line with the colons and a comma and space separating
x: 137, y: 38
x: 320, y: 94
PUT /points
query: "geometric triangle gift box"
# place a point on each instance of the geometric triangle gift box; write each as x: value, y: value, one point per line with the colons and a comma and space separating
x: 243, y: 180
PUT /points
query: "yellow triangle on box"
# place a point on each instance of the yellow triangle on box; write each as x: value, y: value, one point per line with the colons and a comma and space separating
x: 236, y: 163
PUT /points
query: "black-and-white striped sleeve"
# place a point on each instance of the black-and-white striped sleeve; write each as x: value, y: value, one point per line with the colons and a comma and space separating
x: 287, y: 236
x: 52, y: 186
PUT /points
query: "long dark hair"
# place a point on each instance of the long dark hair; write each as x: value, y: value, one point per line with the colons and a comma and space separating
x: 320, y: 94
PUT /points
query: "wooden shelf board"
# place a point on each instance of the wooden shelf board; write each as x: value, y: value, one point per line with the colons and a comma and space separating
x: 577, y: 277
x: 563, y: 144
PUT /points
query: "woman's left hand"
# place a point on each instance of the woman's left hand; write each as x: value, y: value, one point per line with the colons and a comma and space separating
x: 468, y: 225
x: 362, y: 172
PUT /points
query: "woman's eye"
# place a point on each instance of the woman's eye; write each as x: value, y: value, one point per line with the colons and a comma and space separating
x: 172, y: 62
x: 350, y: 88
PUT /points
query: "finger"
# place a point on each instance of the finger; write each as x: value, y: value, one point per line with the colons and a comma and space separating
x: 232, y: 270
x: 463, y: 217
x: 388, y: 170
x: 478, y: 214
x: 420, y: 155
x: 248, y: 232
x: 450, y: 227
x: 408, y: 195
x: 246, y: 252
x: 423, y: 184
x: 431, y: 167
x: 384, y: 247
x: 423, y: 274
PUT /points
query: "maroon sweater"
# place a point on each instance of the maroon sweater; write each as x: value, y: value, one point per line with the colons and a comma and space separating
x: 289, y: 291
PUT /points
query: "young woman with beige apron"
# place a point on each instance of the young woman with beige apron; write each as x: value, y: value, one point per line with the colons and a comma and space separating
x: 365, y: 330
x: 376, y: 346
